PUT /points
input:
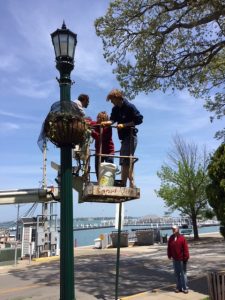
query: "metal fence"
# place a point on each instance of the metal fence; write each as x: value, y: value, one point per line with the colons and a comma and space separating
x: 9, y: 256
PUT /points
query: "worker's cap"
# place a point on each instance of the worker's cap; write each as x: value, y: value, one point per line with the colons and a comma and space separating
x: 175, y: 227
x: 115, y: 93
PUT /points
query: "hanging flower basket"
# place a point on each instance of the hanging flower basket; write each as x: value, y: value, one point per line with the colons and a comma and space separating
x: 64, y: 129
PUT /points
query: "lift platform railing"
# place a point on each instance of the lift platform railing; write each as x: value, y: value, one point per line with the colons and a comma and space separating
x: 84, y: 154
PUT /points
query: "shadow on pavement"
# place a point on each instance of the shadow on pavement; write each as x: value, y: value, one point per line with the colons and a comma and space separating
x: 139, y: 271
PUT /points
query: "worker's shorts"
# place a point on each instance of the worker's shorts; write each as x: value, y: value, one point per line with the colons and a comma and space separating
x: 128, y: 147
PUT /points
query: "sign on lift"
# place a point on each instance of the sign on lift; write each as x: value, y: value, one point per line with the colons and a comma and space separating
x: 97, y: 193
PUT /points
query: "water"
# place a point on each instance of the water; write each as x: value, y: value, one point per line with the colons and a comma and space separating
x: 87, y: 237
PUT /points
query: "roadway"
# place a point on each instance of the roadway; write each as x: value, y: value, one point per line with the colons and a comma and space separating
x: 142, y: 269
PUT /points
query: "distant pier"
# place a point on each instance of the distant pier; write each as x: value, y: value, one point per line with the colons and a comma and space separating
x: 136, y: 224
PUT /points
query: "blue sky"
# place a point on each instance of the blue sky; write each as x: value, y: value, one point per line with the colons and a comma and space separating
x: 28, y: 89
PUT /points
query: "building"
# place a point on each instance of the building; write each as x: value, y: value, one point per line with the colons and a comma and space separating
x: 38, y: 236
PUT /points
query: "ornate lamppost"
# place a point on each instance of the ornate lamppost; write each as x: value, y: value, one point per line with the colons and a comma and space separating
x: 64, y: 42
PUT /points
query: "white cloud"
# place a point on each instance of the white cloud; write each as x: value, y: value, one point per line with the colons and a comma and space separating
x: 180, y: 102
x: 153, y: 101
x: 5, y: 127
x: 9, y: 62
x: 89, y: 63
x: 32, y: 24
x: 17, y: 116
x: 21, y: 169
x: 194, y: 124
x: 33, y: 88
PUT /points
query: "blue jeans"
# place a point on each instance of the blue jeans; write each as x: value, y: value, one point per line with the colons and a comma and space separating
x: 180, y: 270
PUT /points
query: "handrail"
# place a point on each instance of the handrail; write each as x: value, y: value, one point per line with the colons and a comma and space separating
x: 132, y: 159
x: 116, y: 156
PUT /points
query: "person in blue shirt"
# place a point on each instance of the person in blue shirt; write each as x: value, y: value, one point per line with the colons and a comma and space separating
x: 127, y: 116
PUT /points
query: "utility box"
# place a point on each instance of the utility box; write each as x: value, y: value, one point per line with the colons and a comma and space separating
x: 98, y: 243
x: 54, y: 237
x: 123, y: 238
x: 145, y: 237
x: 101, y: 242
x: 40, y: 238
x: 105, y: 240
x: 38, y: 235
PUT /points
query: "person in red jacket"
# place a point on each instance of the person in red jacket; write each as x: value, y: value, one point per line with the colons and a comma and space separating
x: 107, y: 142
x: 177, y: 250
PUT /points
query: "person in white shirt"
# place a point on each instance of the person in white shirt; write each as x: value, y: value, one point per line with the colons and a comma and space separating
x: 82, y: 102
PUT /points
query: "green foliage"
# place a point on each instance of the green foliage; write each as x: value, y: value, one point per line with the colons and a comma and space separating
x: 183, y: 182
x: 216, y: 188
x: 208, y: 214
x: 167, y: 44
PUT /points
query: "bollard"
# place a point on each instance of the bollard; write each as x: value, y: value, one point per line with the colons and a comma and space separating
x: 30, y: 253
x: 15, y: 258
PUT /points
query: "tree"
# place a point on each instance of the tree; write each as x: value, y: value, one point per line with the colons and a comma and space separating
x: 164, y: 44
x: 184, y: 179
x: 216, y: 188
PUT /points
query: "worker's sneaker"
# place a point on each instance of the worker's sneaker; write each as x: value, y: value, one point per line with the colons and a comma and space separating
x: 132, y: 185
x: 185, y: 291
x: 177, y: 291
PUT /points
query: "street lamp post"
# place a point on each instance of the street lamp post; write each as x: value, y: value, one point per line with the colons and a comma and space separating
x: 64, y: 42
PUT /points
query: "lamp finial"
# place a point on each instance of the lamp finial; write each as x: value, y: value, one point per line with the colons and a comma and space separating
x: 63, y: 25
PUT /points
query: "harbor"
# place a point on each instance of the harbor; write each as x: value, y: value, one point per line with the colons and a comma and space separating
x: 87, y: 237
x: 86, y: 231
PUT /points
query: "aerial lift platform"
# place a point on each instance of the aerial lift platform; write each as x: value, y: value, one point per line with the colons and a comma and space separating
x: 92, y: 191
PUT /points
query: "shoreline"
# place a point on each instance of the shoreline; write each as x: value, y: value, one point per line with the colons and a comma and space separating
x: 215, y: 234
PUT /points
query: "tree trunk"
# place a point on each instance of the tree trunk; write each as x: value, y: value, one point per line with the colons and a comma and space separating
x: 195, y: 227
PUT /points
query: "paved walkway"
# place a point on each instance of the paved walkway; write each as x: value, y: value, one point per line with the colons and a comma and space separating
x: 161, y: 295
x: 52, y: 293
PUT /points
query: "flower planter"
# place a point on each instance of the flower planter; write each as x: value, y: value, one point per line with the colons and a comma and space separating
x: 64, y: 129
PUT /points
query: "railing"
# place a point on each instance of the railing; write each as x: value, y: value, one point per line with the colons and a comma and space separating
x: 84, y: 154
x: 216, y: 285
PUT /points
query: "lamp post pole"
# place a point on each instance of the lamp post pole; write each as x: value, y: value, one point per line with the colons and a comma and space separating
x: 66, y: 215
x: 64, y: 42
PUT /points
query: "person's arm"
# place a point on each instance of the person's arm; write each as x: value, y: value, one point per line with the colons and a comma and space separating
x: 95, y: 134
x: 186, y: 250
x: 169, y: 249
x: 137, y: 116
x: 124, y: 125
x: 77, y: 104
x: 106, y: 123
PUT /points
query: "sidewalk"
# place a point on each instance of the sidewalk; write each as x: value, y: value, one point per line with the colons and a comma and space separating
x: 53, y: 295
x: 164, y: 293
